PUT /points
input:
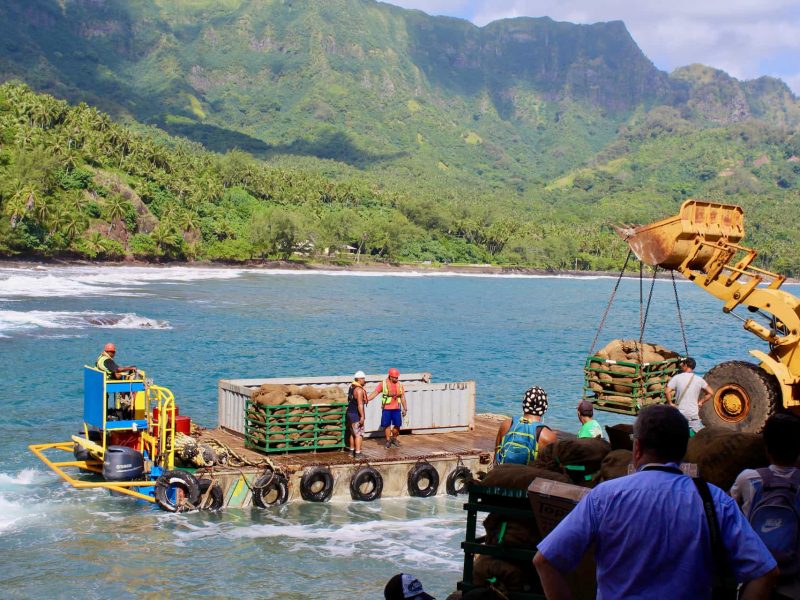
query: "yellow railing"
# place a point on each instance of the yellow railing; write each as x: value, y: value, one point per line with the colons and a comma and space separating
x: 122, y: 487
x: 162, y: 447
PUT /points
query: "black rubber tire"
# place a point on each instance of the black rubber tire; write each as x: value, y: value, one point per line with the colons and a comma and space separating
x: 215, y: 500
x: 458, y: 480
x: 366, y: 475
x: 423, y: 470
x: 749, y: 384
x: 313, y: 477
x: 179, y: 479
x: 271, y: 489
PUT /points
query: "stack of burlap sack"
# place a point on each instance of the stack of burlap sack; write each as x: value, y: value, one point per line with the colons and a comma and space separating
x: 290, y: 416
x: 644, y: 377
x: 720, y: 455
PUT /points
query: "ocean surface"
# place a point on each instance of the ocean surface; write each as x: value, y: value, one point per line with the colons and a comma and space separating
x: 188, y: 327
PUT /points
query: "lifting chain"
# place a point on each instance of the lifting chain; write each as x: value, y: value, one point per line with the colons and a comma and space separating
x: 680, y: 314
x: 646, y: 309
x: 610, y: 302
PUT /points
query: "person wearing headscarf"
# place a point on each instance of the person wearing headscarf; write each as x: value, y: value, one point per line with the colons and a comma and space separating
x: 519, y: 439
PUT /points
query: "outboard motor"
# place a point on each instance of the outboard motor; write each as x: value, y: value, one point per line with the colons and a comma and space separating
x: 122, y: 464
x: 81, y: 453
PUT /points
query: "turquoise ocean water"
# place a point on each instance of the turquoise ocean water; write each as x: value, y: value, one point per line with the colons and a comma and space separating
x: 189, y: 327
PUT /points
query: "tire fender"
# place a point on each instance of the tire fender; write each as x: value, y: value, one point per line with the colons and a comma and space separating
x: 177, y: 480
x: 419, y: 472
x: 366, y: 475
x: 311, y: 481
x: 215, y: 499
x: 271, y: 489
x: 458, y: 480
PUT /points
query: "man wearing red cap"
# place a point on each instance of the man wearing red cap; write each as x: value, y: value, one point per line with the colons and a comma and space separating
x: 392, y: 397
x: 106, y: 363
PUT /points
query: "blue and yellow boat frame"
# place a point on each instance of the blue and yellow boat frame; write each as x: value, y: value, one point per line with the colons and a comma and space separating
x: 102, y: 400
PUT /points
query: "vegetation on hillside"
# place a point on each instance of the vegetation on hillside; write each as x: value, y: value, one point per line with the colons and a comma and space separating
x: 72, y: 181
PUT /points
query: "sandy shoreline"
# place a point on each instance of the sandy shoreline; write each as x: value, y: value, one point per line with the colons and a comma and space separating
x: 300, y: 266
x: 486, y: 269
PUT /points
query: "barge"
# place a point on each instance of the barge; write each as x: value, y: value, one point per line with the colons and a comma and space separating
x: 132, y: 437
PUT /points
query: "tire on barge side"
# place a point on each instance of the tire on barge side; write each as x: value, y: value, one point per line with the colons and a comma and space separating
x: 177, y: 491
x: 366, y: 484
x: 271, y: 489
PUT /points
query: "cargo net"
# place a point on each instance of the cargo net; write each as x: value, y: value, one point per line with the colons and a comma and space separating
x: 287, y: 418
x: 626, y: 375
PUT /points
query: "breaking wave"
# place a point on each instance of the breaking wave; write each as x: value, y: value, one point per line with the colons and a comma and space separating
x: 45, y: 282
x: 12, y: 321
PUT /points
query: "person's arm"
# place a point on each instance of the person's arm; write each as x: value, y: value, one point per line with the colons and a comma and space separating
x: 546, y: 437
x: 709, y: 393
x: 760, y: 588
x: 554, y: 583
x: 669, y: 393
x: 361, y: 398
x: 504, y: 427
x: 375, y: 392
x: 403, y: 401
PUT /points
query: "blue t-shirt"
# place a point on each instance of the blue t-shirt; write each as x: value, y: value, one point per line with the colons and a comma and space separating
x: 651, y: 538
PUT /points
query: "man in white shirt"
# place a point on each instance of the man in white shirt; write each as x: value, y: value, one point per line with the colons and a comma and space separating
x: 684, y: 391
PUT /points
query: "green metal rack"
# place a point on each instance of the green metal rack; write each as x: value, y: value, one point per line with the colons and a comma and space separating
x: 291, y: 428
x: 640, y: 392
x: 506, y: 502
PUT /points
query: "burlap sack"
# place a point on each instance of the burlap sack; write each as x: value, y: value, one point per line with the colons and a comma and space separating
x: 295, y: 400
x: 311, y: 393
x: 587, y: 453
x: 623, y: 385
x: 273, y: 387
x: 615, y: 464
x: 721, y: 454
x: 513, y: 576
x: 293, y: 390
x: 519, y: 476
x: 273, y: 398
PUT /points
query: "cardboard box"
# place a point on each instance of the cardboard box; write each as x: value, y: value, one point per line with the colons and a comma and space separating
x: 551, y: 501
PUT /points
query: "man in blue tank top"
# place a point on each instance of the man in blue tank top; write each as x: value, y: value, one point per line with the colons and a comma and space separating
x: 520, y: 439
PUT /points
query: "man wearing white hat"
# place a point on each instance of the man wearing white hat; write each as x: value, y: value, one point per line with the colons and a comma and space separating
x: 356, y: 401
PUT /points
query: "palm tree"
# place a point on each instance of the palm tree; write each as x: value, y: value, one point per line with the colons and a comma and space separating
x: 115, y: 209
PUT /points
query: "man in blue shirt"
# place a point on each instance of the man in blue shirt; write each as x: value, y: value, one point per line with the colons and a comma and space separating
x: 649, y: 530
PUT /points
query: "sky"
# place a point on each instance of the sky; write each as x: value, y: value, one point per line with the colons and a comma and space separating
x: 745, y: 38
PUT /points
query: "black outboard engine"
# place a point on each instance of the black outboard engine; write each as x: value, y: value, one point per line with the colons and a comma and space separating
x: 122, y: 464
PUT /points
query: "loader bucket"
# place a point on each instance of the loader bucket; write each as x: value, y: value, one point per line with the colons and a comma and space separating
x: 667, y: 243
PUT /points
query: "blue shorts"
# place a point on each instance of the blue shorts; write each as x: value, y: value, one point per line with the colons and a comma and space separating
x: 391, y: 417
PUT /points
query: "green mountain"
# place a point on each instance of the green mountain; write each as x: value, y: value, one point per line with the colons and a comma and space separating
x: 405, y: 136
x: 365, y: 83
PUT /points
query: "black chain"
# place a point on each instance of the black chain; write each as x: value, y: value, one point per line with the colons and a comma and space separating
x: 647, y: 308
x: 680, y: 314
x: 610, y: 302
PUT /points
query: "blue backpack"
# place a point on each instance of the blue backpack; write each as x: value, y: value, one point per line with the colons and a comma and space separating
x: 775, y: 517
x: 519, y: 446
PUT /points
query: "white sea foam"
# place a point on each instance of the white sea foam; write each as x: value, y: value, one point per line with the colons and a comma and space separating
x: 10, y: 512
x: 24, y: 477
x: 98, y: 281
x: 411, y: 539
x: 17, y: 321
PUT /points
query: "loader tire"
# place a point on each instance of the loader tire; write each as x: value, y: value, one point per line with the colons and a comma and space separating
x: 745, y: 396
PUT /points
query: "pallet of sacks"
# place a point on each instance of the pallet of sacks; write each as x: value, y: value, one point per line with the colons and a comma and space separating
x: 626, y: 375
x: 286, y: 418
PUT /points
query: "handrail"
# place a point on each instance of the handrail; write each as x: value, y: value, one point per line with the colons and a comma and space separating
x: 165, y: 401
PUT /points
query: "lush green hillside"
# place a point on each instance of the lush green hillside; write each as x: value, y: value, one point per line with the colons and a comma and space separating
x: 367, y: 84
x: 338, y: 123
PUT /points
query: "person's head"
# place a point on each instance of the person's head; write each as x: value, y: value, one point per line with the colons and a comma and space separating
x: 782, y: 439
x: 688, y: 364
x: 360, y: 378
x: 405, y: 587
x: 534, y: 402
x: 394, y: 375
x: 585, y: 410
x: 660, y: 434
x: 110, y: 348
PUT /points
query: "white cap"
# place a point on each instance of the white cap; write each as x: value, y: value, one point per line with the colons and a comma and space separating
x: 359, y: 375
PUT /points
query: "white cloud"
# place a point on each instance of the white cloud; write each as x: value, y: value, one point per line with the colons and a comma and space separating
x: 745, y: 38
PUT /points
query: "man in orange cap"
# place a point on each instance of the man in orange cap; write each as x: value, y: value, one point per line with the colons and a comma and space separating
x: 392, y: 397
x: 105, y: 363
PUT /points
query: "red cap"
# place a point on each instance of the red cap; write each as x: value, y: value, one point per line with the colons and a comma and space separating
x: 109, y: 347
x: 394, y: 372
